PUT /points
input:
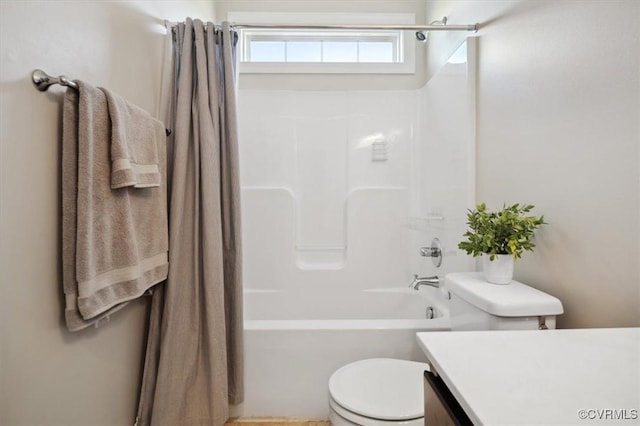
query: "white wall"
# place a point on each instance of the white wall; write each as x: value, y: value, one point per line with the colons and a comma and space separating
x: 49, y: 376
x: 558, y: 127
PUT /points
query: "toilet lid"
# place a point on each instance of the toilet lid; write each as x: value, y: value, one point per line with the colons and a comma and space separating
x: 387, y: 389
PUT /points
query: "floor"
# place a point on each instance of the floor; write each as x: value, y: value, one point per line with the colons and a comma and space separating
x: 276, y: 421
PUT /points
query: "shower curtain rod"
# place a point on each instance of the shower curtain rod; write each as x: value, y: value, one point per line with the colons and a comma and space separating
x: 42, y: 81
x: 430, y: 27
x: 473, y: 27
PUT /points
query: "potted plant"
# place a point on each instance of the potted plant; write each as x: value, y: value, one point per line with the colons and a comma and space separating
x: 501, y: 237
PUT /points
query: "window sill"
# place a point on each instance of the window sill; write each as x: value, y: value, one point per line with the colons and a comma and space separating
x: 326, y: 68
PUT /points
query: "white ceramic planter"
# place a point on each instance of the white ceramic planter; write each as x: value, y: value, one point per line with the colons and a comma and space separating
x: 498, y: 270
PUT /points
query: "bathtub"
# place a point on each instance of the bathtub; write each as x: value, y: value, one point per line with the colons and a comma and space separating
x: 293, y: 343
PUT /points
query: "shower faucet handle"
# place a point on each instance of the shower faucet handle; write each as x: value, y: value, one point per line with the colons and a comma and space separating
x: 434, y: 252
x: 430, y: 251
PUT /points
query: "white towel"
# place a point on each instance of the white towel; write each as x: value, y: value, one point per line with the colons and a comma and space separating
x: 135, y: 136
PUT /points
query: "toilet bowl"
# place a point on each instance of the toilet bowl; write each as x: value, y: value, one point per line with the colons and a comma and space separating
x: 377, y: 392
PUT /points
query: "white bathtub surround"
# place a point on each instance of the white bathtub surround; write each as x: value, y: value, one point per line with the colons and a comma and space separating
x: 306, y: 156
x: 318, y: 216
x: 320, y: 186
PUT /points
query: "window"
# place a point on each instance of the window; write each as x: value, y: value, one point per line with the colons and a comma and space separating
x: 331, y: 51
x: 321, y: 46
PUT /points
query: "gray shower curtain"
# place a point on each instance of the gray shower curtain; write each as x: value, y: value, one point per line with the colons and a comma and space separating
x: 193, y: 365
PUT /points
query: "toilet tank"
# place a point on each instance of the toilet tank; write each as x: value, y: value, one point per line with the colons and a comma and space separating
x: 478, y: 305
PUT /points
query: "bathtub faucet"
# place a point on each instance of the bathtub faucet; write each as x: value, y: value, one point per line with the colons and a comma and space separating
x: 433, y: 281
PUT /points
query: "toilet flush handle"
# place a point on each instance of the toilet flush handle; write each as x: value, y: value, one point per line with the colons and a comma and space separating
x: 541, y: 323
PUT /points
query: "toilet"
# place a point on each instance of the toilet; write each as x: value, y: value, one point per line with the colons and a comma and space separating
x: 382, y: 391
x: 378, y: 391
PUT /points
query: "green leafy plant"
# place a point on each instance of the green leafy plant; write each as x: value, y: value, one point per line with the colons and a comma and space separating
x: 507, y: 231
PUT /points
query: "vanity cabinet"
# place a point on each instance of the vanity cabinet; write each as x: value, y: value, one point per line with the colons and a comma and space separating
x: 440, y: 406
x: 580, y: 376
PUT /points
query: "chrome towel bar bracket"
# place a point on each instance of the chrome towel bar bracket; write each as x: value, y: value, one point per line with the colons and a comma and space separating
x: 42, y: 80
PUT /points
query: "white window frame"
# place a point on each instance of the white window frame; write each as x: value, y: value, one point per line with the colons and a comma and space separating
x: 251, y: 35
x: 403, y: 42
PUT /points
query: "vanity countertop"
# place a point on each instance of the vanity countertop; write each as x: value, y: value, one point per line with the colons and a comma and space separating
x: 540, y: 377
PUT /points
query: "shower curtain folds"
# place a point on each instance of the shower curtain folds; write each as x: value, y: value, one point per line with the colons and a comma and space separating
x: 193, y: 365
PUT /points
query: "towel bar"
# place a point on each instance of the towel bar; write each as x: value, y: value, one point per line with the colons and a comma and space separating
x: 42, y: 81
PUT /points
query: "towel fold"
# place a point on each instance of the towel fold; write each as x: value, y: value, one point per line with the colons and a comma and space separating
x: 135, y: 136
x: 114, y: 242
